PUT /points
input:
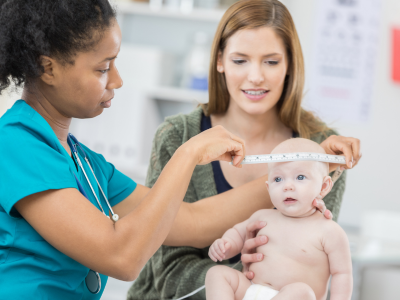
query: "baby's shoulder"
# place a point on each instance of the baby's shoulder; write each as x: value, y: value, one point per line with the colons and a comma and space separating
x: 262, y: 214
x: 330, y: 228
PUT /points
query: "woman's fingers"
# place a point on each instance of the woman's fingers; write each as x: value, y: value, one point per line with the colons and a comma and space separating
x: 356, y: 149
x: 238, y: 158
x: 320, y: 205
x: 253, y: 228
x: 252, y: 244
x: 249, y: 275
x: 342, y: 147
x: 217, y: 144
x: 350, y: 147
x: 328, y: 214
x: 251, y: 258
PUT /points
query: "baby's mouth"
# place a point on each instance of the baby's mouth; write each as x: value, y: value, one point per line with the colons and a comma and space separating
x: 290, y: 201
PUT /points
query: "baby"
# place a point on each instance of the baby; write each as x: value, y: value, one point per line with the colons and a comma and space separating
x: 304, y: 248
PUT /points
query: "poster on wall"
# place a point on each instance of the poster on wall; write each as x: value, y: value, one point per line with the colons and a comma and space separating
x: 396, y: 54
x: 345, y: 50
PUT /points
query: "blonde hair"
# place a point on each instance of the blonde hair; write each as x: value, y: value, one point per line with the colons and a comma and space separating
x: 250, y: 14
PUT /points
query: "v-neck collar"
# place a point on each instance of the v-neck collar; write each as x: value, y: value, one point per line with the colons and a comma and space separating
x: 39, y: 118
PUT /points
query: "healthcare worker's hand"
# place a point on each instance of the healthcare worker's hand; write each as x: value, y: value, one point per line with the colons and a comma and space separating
x: 216, y: 144
x: 252, y: 241
x: 348, y: 146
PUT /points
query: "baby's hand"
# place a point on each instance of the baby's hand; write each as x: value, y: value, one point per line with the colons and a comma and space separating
x: 219, y: 249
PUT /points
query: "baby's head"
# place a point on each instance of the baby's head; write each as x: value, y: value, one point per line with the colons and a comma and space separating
x: 294, y: 185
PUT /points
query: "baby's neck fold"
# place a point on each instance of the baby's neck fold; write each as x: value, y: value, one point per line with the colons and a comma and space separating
x: 307, y: 214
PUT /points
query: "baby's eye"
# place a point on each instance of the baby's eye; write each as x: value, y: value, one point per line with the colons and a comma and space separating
x: 301, y: 177
x: 278, y: 179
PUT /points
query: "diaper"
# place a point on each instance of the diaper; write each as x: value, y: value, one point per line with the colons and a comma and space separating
x: 259, y: 292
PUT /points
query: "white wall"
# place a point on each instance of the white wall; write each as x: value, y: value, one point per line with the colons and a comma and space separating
x: 374, y: 183
x: 7, y: 98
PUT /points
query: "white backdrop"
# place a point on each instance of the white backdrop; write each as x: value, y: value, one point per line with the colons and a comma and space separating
x: 373, y: 183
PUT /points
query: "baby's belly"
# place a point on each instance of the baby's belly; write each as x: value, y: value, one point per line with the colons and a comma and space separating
x: 282, y: 267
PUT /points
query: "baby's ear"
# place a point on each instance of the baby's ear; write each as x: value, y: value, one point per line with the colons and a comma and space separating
x: 327, y: 185
x: 267, y: 184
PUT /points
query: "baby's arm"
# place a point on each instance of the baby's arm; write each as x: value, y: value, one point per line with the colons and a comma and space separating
x: 233, y: 239
x: 336, y: 245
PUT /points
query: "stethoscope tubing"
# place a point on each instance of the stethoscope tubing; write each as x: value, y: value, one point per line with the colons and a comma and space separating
x: 71, y: 140
x: 87, y: 178
x: 98, y: 184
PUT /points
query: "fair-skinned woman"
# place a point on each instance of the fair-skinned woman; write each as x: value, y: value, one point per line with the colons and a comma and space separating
x: 255, y: 89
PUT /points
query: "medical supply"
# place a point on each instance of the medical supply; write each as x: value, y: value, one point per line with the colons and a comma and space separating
x: 195, y: 73
x: 286, y: 157
x: 74, y: 149
x: 92, y: 280
x: 299, y: 156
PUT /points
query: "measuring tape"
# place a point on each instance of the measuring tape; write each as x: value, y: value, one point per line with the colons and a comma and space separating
x: 299, y: 156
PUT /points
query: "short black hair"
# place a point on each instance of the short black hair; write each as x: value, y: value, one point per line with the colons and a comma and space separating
x: 55, y: 28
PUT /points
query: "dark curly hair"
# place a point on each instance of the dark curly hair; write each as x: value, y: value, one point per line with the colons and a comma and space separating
x: 55, y: 28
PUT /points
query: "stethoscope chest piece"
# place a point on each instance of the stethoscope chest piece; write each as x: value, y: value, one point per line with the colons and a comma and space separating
x: 93, y: 282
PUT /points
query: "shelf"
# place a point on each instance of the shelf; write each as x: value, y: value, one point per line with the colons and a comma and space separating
x: 197, y: 14
x: 178, y: 95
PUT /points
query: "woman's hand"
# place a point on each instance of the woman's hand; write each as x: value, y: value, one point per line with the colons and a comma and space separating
x: 348, y: 146
x: 320, y: 205
x: 216, y: 144
x: 252, y: 241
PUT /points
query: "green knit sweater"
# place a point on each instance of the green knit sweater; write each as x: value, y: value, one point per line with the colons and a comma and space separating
x: 176, y: 271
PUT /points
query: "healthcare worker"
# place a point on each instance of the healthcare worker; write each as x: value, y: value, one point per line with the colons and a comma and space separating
x: 68, y: 218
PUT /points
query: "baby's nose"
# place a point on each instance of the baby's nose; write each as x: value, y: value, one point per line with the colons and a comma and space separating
x: 288, y: 187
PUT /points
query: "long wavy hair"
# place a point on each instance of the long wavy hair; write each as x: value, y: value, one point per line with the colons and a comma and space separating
x: 251, y: 14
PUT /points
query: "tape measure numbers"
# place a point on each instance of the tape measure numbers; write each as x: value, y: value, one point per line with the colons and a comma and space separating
x: 299, y: 156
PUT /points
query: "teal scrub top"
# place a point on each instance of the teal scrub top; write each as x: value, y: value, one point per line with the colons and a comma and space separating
x: 32, y: 160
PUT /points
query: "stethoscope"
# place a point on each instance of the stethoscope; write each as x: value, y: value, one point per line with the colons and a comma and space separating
x: 92, y: 280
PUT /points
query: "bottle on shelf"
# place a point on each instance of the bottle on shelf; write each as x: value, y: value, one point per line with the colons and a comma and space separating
x: 195, y: 71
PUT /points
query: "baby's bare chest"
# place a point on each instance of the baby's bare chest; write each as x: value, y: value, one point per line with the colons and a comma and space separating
x: 297, y: 241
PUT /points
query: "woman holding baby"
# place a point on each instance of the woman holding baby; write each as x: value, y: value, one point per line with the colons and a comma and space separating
x: 256, y: 87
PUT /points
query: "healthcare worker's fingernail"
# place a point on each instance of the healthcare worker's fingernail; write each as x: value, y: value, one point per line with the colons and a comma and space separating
x: 263, y: 239
x: 263, y: 223
x: 259, y: 256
